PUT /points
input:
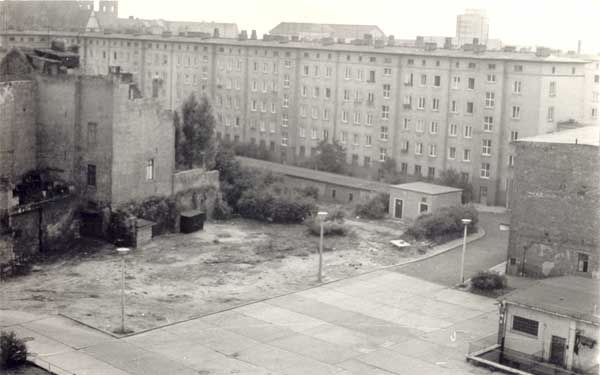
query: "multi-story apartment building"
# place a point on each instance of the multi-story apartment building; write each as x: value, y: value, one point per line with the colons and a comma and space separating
x: 471, y: 25
x: 429, y: 110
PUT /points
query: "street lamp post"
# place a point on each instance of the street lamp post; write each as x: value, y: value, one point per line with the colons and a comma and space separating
x: 466, y: 223
x: 123, y: 251
x: 321, y: 215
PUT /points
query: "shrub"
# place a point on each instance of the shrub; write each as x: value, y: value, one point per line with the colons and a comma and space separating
x: 375, y: 208
x: 330, y: 228
x: 309, y: 192
x: 13, y: 351
x: 161, y: 210
x: 488, y: 280
x: 444, y: 223
x: 222, y: 211
x: 266, y: 205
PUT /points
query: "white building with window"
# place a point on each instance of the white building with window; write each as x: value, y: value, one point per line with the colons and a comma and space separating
x: 552, y: 327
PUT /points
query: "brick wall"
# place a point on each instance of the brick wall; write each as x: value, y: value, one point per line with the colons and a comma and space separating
x: 555, y: 209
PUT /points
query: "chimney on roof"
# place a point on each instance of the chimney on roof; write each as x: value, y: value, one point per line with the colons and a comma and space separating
x: 216, y: 33
x: 243, y: 35
x: 391, y: 41
x: 579, y: 47
x: 448, y: 43
x: 253, y: 35
x: 420, y: 42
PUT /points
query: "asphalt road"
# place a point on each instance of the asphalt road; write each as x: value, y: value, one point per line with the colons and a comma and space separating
x: 482, y: 254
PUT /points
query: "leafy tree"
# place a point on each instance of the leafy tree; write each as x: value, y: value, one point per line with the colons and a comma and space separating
x: 195, y: 142
x: 451, y: 177
x: 330, y: 157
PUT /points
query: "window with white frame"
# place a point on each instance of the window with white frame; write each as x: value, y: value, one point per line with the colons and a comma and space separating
x: 452, y: 152
x: 326, y: 114
x: 382, y: 154
x: 552, y: 89
x: 284, y: 138
x: 514, y: 135
x: 470, y: 108
x: 346, y: 95
x: 355, y: 139
x: 466, y: 154
x: 419, y: 148
x: 305, y: 70
x: 316, y: 92
x: 387, y: 88
x: 435, y: 104
x: 437, y: 81
x: 359, y: 75
x: 387, y: 71
x: 253, y: 107
x: 491, y: 78
x: 348, y: 73
x: 301, y: 132
x: 315, y: 112
x: 344, y: 137
x: 432, y: 150
x: 286, y: 80
x: 286, y: 101
x: 385, y: 112
x: 550, y: 116
x: 328, y: 71
x: 383, y: 133
x: 316, y: 70
x: 368, y: 140
x: 357, y: 118
x: 408, y: 79
x: 344, y: 116
x: 488, y: 123
x: 517, y: 87
x: 454, y: 106
x: 434, y: 127
x: 314, y: 134
x: 407, y: 101
x: 471, y: 83
x: 406, y: 123
x: 486, y: 148
x: 468, y: 131
x: 420, y: 128
x: 485, y: 170
x: 150, y: 169
x: 453, y: 131
x: 423, y: 80
x: 516, y: 112
x: 261, y: 126
x: 511, y: 160
x: 490, y: 99
x: 285, y: 119
x: 369, y: 119
x: 456, y: 82
x: 421, y: 104
x: 405, y: 145
x: 303, y: 111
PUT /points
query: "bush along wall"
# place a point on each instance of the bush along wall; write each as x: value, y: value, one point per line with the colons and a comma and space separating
x: 444, y: 224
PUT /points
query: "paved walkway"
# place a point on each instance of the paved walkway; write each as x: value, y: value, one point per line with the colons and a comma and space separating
x: 481, y: 254
x: 380, y: 323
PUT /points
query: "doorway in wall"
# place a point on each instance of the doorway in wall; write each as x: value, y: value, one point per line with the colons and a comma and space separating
x: 398, y: 208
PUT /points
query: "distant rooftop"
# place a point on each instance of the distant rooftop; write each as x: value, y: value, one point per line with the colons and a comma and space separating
x: 587, y: 135
x: 310, y: 174
x: 332, y: 29
x: 388, y: 50
x: 427, y: 188
x: 571, y: 296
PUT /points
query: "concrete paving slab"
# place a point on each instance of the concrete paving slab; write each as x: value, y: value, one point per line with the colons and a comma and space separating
x: 449, y: 312
x: 67, y: 332
x: 219, y: 340
x: 276, y: 359
x: 155, y: 339
x: 289, y: 319
x: 345, y: 337
x: 320, y: 350
x: 309, y: 306
x: 358, y: 367
x: 188, y: 326
x: 250, y: 327
x: 11, y: 318
x: 400, y: 364
x: 466, y: 299
x: 117, y: 354
x: 153, y: 364
x: 428, y: 351
x: 80, y: 363
x: 38, y: 344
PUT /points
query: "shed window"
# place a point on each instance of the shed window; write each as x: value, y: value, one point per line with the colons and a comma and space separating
x: 582, y: 262
x: 525, y: 325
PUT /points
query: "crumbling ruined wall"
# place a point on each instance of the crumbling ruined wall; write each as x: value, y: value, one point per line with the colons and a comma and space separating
x: 555, y: 209
x: 196, y: 189
x: 17, y: 128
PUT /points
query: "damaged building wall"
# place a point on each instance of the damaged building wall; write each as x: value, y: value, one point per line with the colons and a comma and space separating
x: 143, y: 148
x: 556, y: 210
x: 196, y: 189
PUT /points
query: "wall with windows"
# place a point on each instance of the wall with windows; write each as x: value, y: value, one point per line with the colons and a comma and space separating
x: 143, y: 153
x: 416, y: 203
x: 555, y: 210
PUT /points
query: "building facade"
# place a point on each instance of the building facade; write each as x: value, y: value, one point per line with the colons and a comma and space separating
x: 472, y: 25
x: 556, y: 205
x: 429, y: 110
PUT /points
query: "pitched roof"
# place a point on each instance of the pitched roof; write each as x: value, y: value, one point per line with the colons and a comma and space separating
x: 310, y: 174
x: 571, y: 296
x: 427, y: 188
x: 587, y: 135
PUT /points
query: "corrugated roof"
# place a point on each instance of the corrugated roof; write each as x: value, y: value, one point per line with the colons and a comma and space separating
x: 587, y: 135
x: 573, y: 296
x: 310, y: 174
x: 427, y: 188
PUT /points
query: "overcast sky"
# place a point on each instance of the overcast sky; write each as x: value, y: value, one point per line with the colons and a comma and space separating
x: 554, y: 23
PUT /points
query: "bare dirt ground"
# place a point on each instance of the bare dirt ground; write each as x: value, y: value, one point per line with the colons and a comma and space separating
x: 177, y: 276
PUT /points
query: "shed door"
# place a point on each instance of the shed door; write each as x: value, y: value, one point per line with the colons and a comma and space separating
x: 557, y: 351
x: 398, y: 208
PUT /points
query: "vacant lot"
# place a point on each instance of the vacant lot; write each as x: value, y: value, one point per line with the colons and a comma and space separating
x: 177, y: 276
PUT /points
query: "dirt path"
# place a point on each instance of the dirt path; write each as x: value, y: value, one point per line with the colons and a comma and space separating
x: 176, y: 276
